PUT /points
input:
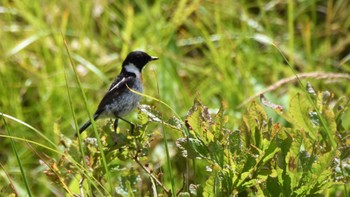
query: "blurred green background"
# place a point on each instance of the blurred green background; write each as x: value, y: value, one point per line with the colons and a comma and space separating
x: 225, y: 51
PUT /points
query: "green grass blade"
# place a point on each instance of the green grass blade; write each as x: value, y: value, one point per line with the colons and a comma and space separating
x: 104, y: 161
x: 168, y: 159
x: 323, y: 122
x: 91, y: 67
x: 14, y: 149
x: 96, y: 183
x: 29, y: 126
x: 77, y: 127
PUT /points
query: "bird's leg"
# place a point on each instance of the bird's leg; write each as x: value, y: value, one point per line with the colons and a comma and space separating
x: 115, y: 125
x: 132, y: 125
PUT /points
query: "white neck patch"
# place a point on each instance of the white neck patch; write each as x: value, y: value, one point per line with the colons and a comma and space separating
x: 133, y: 69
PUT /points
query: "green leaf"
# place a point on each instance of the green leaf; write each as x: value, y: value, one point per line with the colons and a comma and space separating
x: 218, y: 125
x: 192, y: 148
x: 318, y: 178
x: 209, y: 187
x: 216, y: 150
x: 235, y: 143
x: 292, y: 162
x: 338, y: 110
x: 299, y: 109
x: 330, y: 120
x: 198, y: 121
x: 193, y: 119
x: 143, y: 118
x: 273, y: 187
x: 270, y: 153
x: 253, y: 121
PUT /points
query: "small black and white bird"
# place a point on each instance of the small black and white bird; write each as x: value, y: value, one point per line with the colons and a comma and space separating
x: 119, y: 100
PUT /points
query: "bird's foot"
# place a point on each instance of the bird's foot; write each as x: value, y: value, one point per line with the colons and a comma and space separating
x: 115, y: 125
x: 132, y: 127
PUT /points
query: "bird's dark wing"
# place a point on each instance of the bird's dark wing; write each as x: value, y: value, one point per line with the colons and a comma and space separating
x: 120, y: 84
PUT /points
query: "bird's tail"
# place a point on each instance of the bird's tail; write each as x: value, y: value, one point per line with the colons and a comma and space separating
x: 87, y: 124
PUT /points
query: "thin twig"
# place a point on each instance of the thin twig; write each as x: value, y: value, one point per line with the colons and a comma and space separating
x: 168, y: 192
x: 313, y: 75
x: 9, y: 179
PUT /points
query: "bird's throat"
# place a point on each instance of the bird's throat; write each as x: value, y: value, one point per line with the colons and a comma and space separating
x: 131, y: 68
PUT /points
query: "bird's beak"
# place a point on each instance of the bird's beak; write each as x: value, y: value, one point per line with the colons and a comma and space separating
x: 154, y: 58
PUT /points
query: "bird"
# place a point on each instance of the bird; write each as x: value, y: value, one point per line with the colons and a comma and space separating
x: 119, y: 99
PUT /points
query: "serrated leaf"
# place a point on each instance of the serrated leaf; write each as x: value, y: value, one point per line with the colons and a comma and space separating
x: 273, y: 186
x: 155, y: 116
x: 319, y: 177
x: 198, y: 121
x: 192, y: 148
x: 235, y: 142
x: 152, y: 114
x: 338, y: 110
x: 310, y: 89
x: 254, y: 119
x: 319, y: 101
x: 321, y: 168
x: 216, y: 150
x: 269, y: 104
x: 174, y: 122
x: 255, y: 114
x: 299, y: 109
x: 218, y: 125
x: 209, y: 187
x: 292, y: 162
x: 143, y: 118
x: 329, y: 117
x: 193, y: 119
x: 270, y: 153
x: 315, y: 120
x: 243, y: 177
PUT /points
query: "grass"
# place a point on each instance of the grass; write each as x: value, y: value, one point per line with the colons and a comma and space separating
x: 219, y: 51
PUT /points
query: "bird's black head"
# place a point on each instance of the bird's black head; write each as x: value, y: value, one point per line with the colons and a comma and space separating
x: 138, y: 58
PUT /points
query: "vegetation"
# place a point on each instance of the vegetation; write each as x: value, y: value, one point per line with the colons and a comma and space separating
x: 248, y: 98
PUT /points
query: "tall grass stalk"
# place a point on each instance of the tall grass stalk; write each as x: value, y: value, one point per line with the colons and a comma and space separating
x: 20, y: 165
x: 291, y: 32
x: 100, y: 146
x: 77, y: 130
x: 168, y: 159
x: 319, y: 114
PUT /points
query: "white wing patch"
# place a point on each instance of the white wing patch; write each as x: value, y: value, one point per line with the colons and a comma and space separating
x: 117, y: 85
